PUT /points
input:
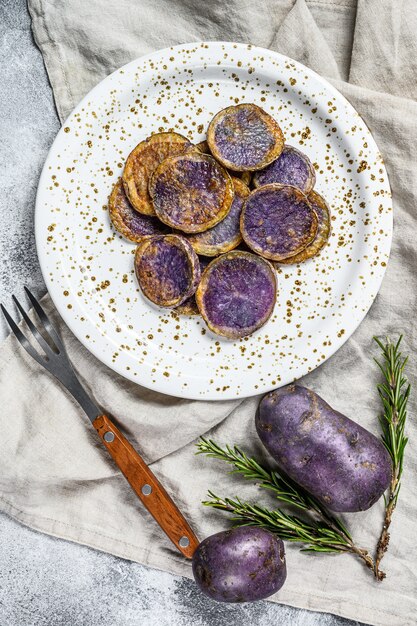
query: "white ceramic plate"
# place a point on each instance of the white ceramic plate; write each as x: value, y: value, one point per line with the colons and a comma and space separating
x: 88, y: 268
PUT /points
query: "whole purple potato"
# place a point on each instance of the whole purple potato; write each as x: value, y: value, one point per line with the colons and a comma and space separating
x: 343, y: 465
x: 240, y: 565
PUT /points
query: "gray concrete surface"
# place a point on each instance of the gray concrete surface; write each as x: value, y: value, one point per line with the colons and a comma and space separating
x: 46, y: 581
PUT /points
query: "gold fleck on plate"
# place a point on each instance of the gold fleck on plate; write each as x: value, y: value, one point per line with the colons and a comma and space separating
x: 88, y: 267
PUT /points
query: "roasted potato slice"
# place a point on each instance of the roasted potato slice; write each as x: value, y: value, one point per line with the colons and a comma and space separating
x: 244, y: 137
x: 167, y: 269
x: 142, y: 162
x: 278, y: 221
x: 189, y: 307
x: 129, y: 222
x: 292, y: 167
x: 191, y: 192
x: 323, y: 231
x: 237, y: 294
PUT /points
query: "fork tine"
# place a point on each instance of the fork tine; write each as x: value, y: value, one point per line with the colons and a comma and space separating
x: 41, y: 341
x: 21, y: 337
x: 46, y: 322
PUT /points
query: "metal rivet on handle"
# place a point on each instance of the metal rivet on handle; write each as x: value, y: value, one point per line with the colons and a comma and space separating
x: 108, y: 436
x: 184, y: 542
x: 146, y: 490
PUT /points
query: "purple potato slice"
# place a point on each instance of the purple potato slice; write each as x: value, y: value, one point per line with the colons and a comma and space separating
x: 226, y: 234
x: 277, y: 221
x: 246, y: 177
x: 244, y: 137
x: 189, y: 307
x: 203, y: 146
x: 167, y: 269
x: 323, y: 231
x: 191, y: 192
x: 292, y: 167
x: 131, y: 224
x: 237, y: 294
x: 142, y: 162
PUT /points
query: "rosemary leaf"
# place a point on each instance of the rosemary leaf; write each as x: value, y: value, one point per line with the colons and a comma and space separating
x: 394, y: 393
x: 315, y: 535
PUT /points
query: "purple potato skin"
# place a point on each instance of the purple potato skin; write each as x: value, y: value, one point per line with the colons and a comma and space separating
x: 167, y: 269
x: 237, y: 294
x: 335, y: 459
x: 292, y: 167
x: 240, y: 565
x: 277, y: 221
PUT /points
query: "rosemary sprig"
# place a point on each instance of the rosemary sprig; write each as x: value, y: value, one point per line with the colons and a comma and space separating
x: 289, y: 527
x: 394, y: 393
x: 320, y: 531
x: 284, y: 489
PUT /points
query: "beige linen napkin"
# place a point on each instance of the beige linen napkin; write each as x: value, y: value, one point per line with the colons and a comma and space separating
x: 56, y: 477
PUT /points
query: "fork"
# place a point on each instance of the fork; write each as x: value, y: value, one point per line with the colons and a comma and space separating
x: 142, y: 480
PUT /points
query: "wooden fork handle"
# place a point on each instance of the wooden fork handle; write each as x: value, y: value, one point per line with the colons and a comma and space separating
x: 147, y: 487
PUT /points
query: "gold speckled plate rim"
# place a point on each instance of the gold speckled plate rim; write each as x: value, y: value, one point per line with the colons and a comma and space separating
x: 200, y: 389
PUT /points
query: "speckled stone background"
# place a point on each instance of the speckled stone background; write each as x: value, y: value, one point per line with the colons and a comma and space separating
x: 45, y: 581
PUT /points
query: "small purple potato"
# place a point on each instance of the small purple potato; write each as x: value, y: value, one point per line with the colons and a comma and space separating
x: 237, y: 294
x: 292, y: 167
x: 226, y: 234
x: 142, y: 162
x: 323, y: 231
x: 129, y: 222
x: 191, y: 192
x: 277, y: 221
x: 240, y: 565
x: 337, y: 461
x: 244, y: 137
x: 167, y: 269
